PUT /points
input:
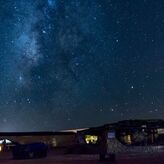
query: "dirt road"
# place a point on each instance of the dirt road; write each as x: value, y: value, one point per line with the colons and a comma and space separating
x: 6, y: 158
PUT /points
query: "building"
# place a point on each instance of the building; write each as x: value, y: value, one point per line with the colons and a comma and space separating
x: 52, y: 139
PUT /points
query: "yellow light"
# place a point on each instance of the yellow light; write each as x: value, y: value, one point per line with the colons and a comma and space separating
x: 127, y: 139
x: 0, y: 148
x: 91, y: 139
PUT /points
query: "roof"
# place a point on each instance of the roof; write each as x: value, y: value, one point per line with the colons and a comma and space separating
x: 34, y: 133
x: 125, y: 124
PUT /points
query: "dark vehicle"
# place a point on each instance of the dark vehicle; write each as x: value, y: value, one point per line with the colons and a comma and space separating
x: 29, y: 151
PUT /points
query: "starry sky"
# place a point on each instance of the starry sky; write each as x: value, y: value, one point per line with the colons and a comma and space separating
x: 80, y: 63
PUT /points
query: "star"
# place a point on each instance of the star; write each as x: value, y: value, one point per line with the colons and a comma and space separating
x: 132, y: 87
x: 112, y: 110
x: 44, y: 32
x: 20, y: 78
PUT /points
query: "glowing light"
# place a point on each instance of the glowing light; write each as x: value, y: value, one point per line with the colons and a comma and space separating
x: 91, y: 139
x: 5, y: 140
x: 127, y: 139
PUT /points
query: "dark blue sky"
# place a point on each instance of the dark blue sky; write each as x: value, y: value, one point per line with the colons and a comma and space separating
x: 79, y: 63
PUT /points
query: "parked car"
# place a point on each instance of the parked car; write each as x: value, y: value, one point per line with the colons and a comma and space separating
x: 29, y: 151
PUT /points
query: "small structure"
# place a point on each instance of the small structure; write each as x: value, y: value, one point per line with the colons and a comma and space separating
x: 52, y: 139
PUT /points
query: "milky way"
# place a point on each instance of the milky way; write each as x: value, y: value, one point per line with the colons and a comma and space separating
x: 73, y: 63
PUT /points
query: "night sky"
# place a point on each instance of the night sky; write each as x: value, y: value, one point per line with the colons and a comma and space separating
x: 79, y: 63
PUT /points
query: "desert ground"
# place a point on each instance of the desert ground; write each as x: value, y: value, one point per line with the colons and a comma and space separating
x: 57, y: 158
